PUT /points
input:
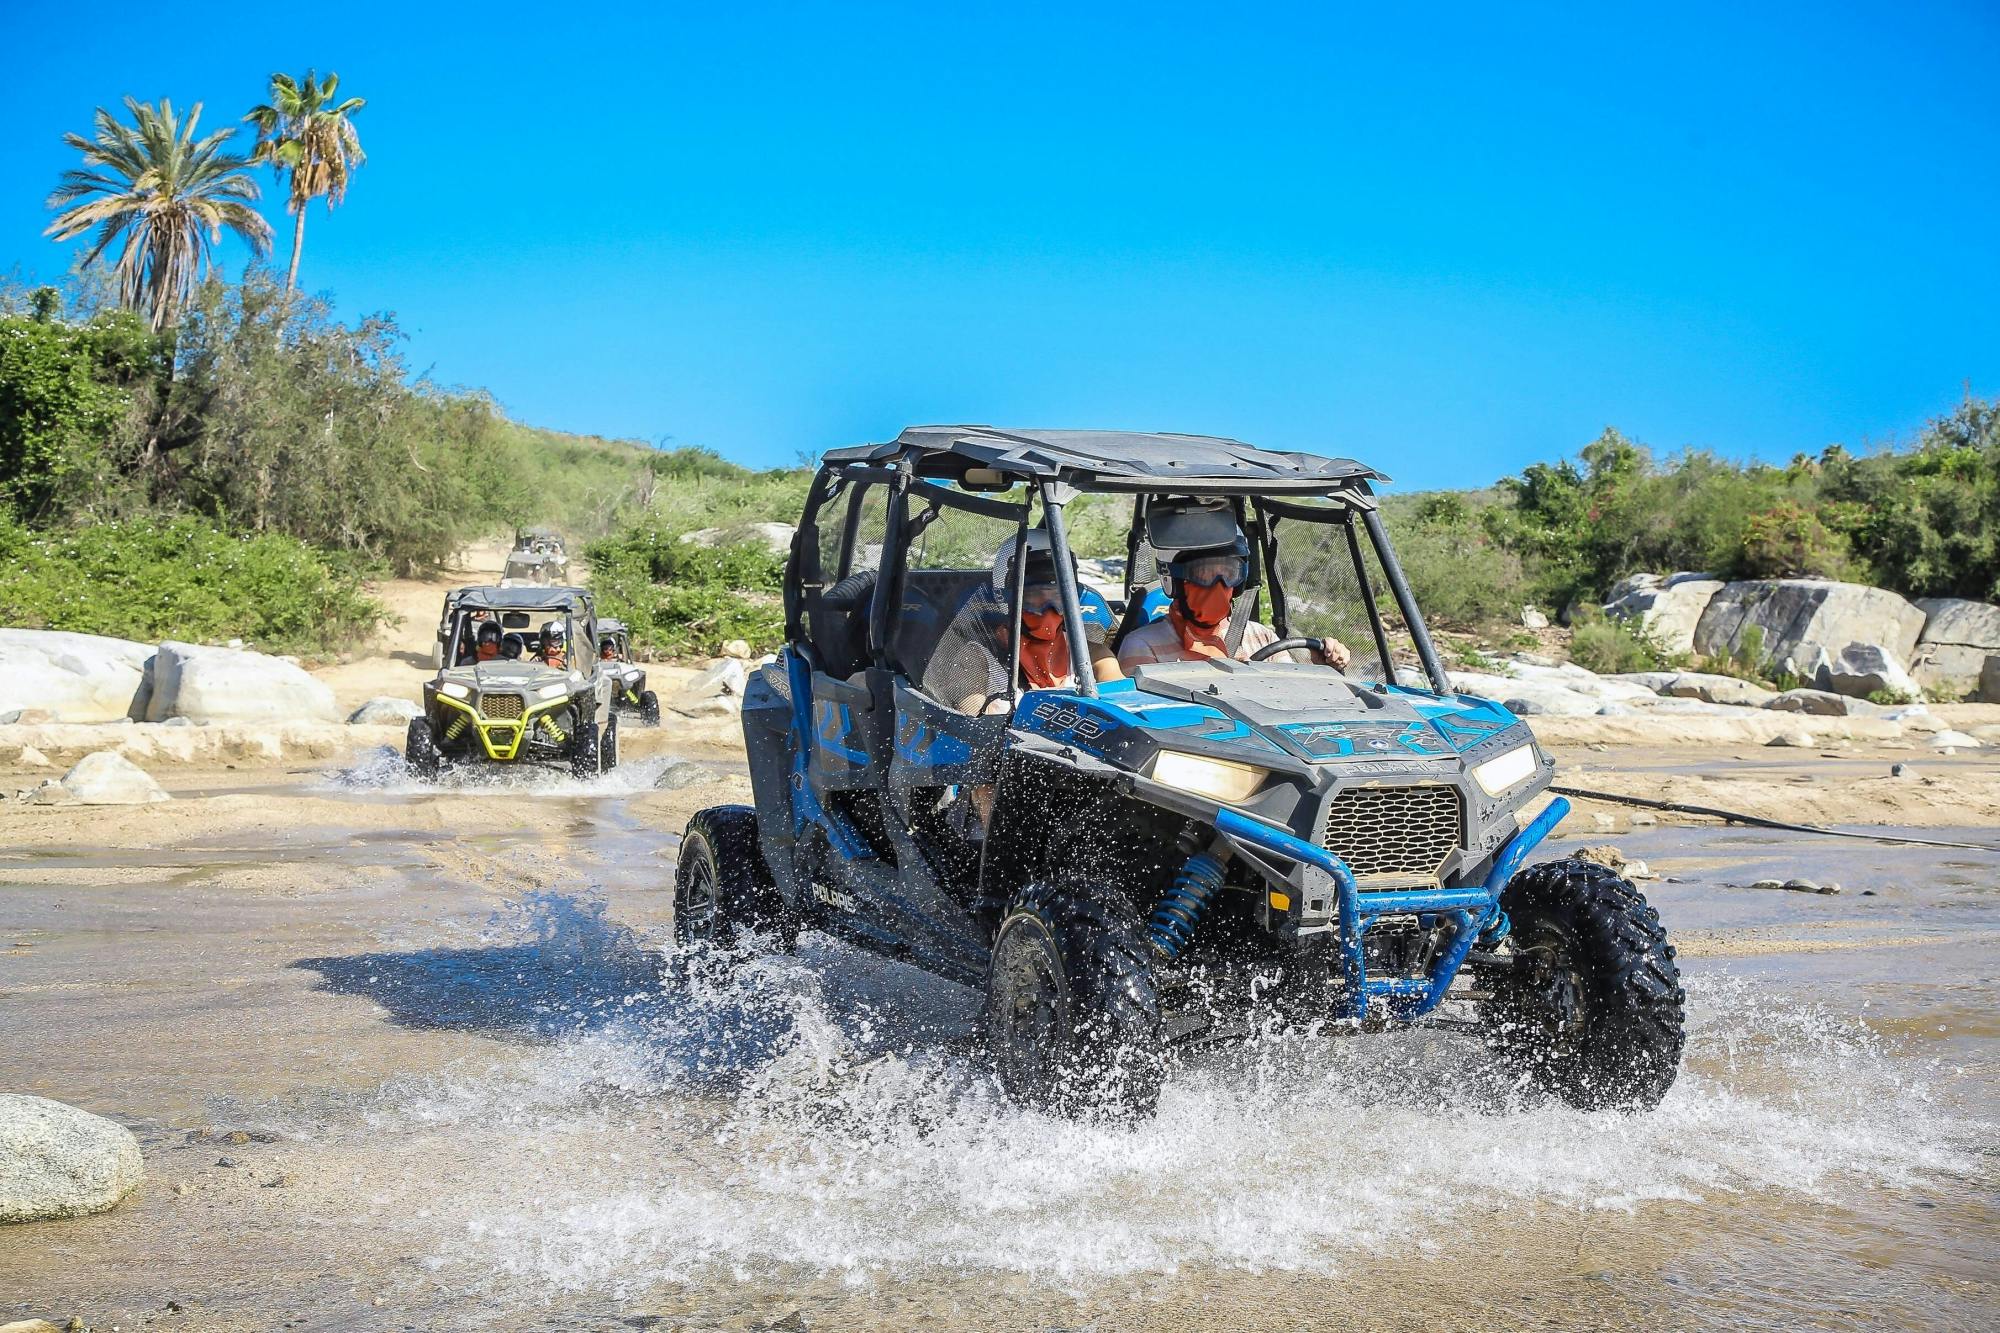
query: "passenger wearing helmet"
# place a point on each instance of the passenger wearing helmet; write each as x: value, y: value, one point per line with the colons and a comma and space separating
x: 554, y: 650
x: 1201, y: 583
x: 1046, y: 661
x: 607, y: 649
x: 512, y: 646
x: 489, y: 643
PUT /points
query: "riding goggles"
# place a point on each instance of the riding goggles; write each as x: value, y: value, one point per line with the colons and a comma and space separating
x: 1208, y: 570
x: 1040, y: 598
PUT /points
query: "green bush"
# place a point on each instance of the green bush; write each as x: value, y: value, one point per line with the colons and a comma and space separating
x: 1790, y: 541
x: 151, y: 579
x: 1612, y: 646
x: 1462, y: 576
x: 686, y: 599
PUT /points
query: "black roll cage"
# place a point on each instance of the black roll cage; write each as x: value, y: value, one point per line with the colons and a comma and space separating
x: 1260, y: 508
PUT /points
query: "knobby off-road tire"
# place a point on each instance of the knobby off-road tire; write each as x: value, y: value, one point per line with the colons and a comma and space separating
x: 649, y: 708
x: 586, y: 760
x: 1593, y: 1010
x: 420, y: 751
x: 1072, y: 1006
x: 723, y: 891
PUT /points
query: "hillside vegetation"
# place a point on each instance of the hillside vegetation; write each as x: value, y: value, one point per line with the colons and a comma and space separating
x: 260, y: 420
x: 152, y: 483
x: 1921, y: 521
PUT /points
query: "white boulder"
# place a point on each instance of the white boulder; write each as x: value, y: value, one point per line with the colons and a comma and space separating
x: 1668, y: 609
x: 74, y: 677
x: 1797, y: 620
x: 1822, y: 703
x: 1862, y: 669
x: 1715, y: 689
x: 736, y: 648
x: 1954, y: 740
x: 727, y: 676
x: 1957, y: 638
x: 385, y: 710
x: 58, y: 1161
x: 229, y: 685
x: 104, y: 778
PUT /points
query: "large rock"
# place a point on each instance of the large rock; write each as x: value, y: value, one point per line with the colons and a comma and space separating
x: 774, y: 537
x: 1716, y: 689
x: 104, y: 778
x: 385, y: 710
x: 1865, y: 669
x: 727, y: 676
x: 230, y: 685
x: 73, y: 677
x: 1989, y: 681
x: 57, y: 1161
x: 1799, y: 621
x: 1668, y: 609
x: 1957, y: 638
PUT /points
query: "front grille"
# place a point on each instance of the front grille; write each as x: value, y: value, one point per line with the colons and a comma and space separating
x: 1402, y: 831
x: 506, y: 707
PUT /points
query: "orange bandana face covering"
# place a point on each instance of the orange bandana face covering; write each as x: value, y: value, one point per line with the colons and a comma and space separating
x: 1044, y: 649
x: 1198, y: 615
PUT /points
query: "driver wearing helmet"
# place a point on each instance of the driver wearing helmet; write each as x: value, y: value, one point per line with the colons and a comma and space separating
x: 554, y: 647
x: 607, y: 649
x: 489, y: 642
x: 1202, y: 583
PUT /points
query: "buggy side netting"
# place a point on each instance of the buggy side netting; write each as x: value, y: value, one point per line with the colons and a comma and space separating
x: 950, y: 622
x: 959, y: 579
x: 1324, y: 594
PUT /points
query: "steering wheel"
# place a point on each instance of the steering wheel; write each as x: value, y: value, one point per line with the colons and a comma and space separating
x: 1284, y: 646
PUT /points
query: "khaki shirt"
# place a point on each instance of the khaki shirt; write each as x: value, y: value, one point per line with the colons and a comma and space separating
x: 1159, y: 642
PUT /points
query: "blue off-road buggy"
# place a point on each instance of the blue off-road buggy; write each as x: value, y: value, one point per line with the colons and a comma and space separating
x: 1128, y: 865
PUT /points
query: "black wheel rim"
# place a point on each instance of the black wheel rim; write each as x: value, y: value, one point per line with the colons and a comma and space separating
x: 1027, y: 1016
x: 700, y: 905
x: 1556, y: 989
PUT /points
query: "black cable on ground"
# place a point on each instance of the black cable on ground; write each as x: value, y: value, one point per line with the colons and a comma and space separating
x: 1737, y: 817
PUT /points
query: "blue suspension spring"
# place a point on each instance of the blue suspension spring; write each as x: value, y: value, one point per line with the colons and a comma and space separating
x: 1182, y: 906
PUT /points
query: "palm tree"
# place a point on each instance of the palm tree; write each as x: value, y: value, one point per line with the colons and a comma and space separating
x: 303, y: 131
x: 168, y: 194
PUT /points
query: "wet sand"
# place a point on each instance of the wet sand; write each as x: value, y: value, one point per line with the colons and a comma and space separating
x: 412, y: 1059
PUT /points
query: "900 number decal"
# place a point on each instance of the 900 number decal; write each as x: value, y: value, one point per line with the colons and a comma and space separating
x: 1057, y: 716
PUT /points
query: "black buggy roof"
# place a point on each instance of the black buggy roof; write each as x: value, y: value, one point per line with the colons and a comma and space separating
x: 1120, y: 460
x: 574, y: 600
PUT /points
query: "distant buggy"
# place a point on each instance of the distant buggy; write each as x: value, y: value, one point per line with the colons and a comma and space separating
x: 628, y: 678
x: 1177, y: 856
x: 520, y: 683
x: 538, y: 558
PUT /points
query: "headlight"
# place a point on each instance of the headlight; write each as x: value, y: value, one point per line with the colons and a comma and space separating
x: 1497, y: 775
x: 555, y: 691
x: 454, y: 690
x: 1217, y: 779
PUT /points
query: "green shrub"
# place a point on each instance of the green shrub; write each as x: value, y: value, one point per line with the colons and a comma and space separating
x: 151, y: 579
x: 686, y: 599
x: 1613, y: 646
x: 1462, y: 576
x: 1790, y: 541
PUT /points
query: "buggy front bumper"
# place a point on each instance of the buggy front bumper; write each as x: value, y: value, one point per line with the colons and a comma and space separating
x: 1469, y: 911
x: 504, y: 739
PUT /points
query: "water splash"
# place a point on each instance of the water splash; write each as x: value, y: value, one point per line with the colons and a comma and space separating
x: 381, y: 771
x: 825, y: 1112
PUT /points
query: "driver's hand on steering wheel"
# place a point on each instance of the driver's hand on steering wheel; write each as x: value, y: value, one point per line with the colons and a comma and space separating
x: 1332, y: 652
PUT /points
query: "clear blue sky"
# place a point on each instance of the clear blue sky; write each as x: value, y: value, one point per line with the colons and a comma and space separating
x: 1449, y: 241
